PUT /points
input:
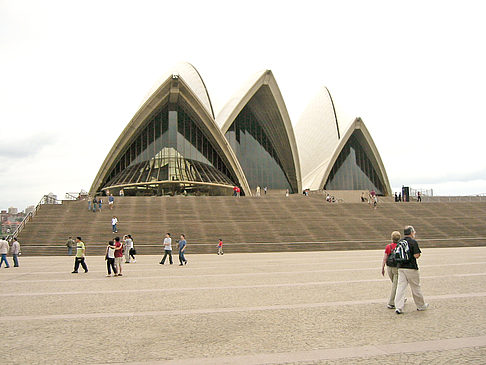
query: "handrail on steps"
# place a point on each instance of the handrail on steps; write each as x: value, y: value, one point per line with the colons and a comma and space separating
x: 46, y: 199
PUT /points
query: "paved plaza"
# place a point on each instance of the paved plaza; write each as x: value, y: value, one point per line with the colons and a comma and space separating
x: 262, y: 308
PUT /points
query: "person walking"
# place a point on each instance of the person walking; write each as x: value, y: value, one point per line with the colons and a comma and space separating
x: 70, y: 245
x: 391, y: 267
x: 110, y: 258
x: 89, y: 203
x: 118, y: 256
x: 80, y: 255
x: 3, y: 251
x: 111, y: 201
x: 95, y: 204
x: 419, y: 197
x: 167, y: 249
x: 182, y: 250
x: 114, y: 222
x: 133, y: 252
x: 128, y: 246
x: 15, y: 251
x: 100, y: 204
x: 408, y: 274
x: 220, y: 247
x: 258, y: 190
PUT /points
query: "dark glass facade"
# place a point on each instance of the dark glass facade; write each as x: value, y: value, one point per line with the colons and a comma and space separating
x: 170, y: 148
x: 258, y: 158
x: 353, y: 169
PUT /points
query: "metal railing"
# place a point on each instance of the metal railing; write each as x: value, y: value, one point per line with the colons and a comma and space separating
x: 46, y: 199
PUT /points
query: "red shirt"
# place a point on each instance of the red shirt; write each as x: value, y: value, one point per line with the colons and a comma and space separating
x: 220, y: 244
x: 390, y: 247
x: 118, y: 253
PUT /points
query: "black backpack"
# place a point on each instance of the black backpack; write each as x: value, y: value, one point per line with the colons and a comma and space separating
x: 402, y: 252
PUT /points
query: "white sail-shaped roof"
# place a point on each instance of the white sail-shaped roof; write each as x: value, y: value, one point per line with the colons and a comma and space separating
x: 321, y: 136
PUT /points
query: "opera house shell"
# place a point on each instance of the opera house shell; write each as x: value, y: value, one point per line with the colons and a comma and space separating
x: 175, y: 145
x: 336, y: 154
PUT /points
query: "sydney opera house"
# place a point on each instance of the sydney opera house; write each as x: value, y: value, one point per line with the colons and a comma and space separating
x: 176, y: 144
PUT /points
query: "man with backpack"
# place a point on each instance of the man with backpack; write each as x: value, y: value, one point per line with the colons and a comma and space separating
x: 407, y: 252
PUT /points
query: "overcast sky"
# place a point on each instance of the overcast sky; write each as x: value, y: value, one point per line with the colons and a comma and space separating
x: 73, y: 73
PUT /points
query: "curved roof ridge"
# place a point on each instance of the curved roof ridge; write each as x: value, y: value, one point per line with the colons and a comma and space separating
x: 237, y: 97
x: 193, y: 79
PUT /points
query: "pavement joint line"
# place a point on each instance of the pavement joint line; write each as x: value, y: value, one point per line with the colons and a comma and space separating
x: 226, y: 287
x: 223, y: 274
x: 330, y: 354
x: 74, y: 316
x: 254, y: 265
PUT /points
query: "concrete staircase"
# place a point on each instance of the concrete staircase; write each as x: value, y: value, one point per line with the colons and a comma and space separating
x: 251, y: 224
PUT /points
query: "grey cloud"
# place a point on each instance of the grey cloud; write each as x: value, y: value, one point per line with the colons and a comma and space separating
x: 23, y: 147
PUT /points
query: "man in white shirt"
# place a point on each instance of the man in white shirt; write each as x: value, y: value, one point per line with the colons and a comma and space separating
x: 15, y: 251
x: 114, y: 221
x: 3, y: 251
x: 167, y: 249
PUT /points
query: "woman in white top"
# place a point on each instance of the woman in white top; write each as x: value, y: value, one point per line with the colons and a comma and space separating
x: 110, y: 258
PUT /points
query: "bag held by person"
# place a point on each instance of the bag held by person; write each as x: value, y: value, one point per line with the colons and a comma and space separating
x: 390, y: 260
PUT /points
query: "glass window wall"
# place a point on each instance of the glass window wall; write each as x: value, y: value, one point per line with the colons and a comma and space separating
x: 353, y: 170
x: 255, y: 152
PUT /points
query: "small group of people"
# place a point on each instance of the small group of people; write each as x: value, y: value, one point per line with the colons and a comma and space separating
x: 94, y: 204
x: 97, y: 204
x: 258, y: 190
x: 371, y: 198
x: 403, y: 273
x: 14, y: 250
x: 116, y: 252
x: 182, y: 243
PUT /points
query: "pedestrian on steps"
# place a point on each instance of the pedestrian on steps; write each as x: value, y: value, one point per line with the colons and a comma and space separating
x: 114, y: 222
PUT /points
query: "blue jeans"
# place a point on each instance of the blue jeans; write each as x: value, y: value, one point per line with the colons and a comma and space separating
x: 70, y: 251
x: 114, y: 228
x: 4, y: 258
x: 16, y: 259
x: 182, y: 259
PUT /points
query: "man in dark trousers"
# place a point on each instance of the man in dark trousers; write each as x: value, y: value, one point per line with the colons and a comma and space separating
x: 79, y: 259
x: 408, y: 274
x: 167, y: 249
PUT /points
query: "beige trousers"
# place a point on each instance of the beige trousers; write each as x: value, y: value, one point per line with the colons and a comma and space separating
x: 393, y: 275
x: 409, y: 277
